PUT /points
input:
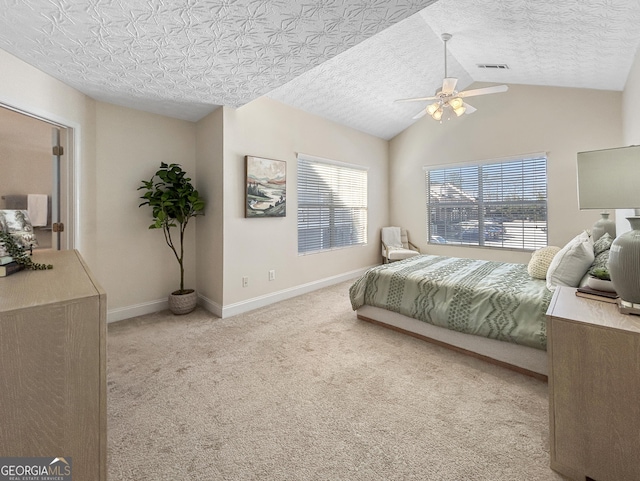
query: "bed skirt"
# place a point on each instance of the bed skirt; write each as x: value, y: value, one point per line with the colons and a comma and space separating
x: 523, y: 359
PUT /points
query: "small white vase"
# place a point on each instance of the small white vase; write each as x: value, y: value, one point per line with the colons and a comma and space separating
x: 183, y: 303
x: 624, y: 263
x: 600, y: 284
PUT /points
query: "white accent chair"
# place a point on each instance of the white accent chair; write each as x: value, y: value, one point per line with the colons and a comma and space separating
x: 396, y: 245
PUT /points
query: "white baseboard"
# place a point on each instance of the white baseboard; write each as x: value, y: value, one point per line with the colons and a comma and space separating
x: 211, y: 306
x: 121, y: 313
x: 267, y: 299
x: 216, y: 309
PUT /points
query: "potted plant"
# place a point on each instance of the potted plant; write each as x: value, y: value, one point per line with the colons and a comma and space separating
x: 600, y: 280
x: 173, y: 201
x: 11, y: 248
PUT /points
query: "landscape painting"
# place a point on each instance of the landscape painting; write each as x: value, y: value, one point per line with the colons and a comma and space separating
x: 266, y: 187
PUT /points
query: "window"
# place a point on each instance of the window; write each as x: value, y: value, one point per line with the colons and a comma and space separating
x: 499, y: 204
x: 332, y: 205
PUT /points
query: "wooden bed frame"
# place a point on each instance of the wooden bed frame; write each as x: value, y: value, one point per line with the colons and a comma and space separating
x: 522, y: 359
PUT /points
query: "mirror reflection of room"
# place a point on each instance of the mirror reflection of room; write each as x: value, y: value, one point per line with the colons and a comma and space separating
x: 26, y: 174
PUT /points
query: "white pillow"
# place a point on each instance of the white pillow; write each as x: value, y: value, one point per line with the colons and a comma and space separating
x: 571, y: 263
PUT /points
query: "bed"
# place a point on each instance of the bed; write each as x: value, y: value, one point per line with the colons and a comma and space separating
x: 492, y: 310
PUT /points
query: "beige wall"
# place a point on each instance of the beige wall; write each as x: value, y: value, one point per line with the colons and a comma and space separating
x: 252, y: 247
x: 526, y: 119
x: 631, y: 105
x: 209, y: 237
x: 631, y: 128
x: 27, y: 88
x: 134, y: 264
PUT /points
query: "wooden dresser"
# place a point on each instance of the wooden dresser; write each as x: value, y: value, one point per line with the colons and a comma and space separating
x: 53, y: 365
x: 594, y: 389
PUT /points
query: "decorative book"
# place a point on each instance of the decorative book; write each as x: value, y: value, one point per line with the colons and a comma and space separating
x: 5, y: 260
x: 590, y: 293
x: 10, y: 268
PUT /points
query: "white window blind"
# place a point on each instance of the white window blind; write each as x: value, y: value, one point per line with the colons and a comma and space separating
x: 332, y: 205
x: 494, y: 204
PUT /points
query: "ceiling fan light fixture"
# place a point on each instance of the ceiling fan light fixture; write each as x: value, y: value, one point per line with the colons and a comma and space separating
x: 432, y: 108
x: 448, y: 98
x: 460, y: 110
x: 455, y: 103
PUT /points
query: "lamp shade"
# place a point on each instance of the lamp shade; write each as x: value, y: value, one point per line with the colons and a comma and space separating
x: 609, y: 179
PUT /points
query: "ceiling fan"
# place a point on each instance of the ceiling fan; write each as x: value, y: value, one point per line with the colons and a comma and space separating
x: 448, y: 98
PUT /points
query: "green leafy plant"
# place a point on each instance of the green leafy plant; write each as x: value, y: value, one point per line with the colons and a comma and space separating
x: 601, y: 273
x: 173, y: 201
x: 20, y: 254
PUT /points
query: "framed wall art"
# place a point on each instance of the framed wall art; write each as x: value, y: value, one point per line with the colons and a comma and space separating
x: 266, y: 192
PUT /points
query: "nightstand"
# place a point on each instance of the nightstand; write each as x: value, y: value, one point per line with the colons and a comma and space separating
x: 53, y: 386
x: 594, y: 389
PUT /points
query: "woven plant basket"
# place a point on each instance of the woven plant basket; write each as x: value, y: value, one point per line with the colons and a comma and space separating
x: 183, y: 303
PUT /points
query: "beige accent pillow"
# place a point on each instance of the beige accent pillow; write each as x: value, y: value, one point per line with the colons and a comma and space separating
x: 540, y: 261
x: 571, y: 263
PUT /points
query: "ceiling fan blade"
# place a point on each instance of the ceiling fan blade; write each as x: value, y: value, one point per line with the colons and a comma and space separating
x: 449, y: 85
x: 469, y: 108
x: 484, y: 91
x: 420, y: 114
x: 417, y: 99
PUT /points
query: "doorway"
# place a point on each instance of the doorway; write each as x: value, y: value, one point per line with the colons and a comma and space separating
x: 33, y: 174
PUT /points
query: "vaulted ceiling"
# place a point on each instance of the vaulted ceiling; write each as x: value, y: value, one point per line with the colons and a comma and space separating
x: 345, y: 60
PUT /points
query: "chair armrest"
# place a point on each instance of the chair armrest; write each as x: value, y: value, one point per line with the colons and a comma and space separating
x: 385, y: 252
x: 414, y: 247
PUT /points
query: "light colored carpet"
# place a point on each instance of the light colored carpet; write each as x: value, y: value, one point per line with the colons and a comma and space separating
x: 302, y: 390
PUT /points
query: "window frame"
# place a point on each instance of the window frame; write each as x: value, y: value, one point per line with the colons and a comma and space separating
x: 330, y: 238
x: 530, y: 239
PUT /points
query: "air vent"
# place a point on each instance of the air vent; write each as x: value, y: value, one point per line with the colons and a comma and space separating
x: 496, y: 66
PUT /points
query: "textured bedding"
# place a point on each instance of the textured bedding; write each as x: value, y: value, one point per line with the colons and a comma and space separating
x: 491, y: 299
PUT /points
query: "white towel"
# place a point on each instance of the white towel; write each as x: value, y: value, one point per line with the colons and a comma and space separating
x: 391, y: 236
x: 38, y: 208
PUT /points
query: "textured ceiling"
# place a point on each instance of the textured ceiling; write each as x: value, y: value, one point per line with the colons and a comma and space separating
x: 564, y: 43
x: 185, y: 57
x: 343, y: 60
x: 358, y: 87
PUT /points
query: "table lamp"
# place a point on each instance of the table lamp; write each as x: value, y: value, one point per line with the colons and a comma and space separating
x: 610, y: 179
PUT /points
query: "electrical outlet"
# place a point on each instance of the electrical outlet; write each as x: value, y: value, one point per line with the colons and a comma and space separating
x: 245, y: 281
x: 272, y: 275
